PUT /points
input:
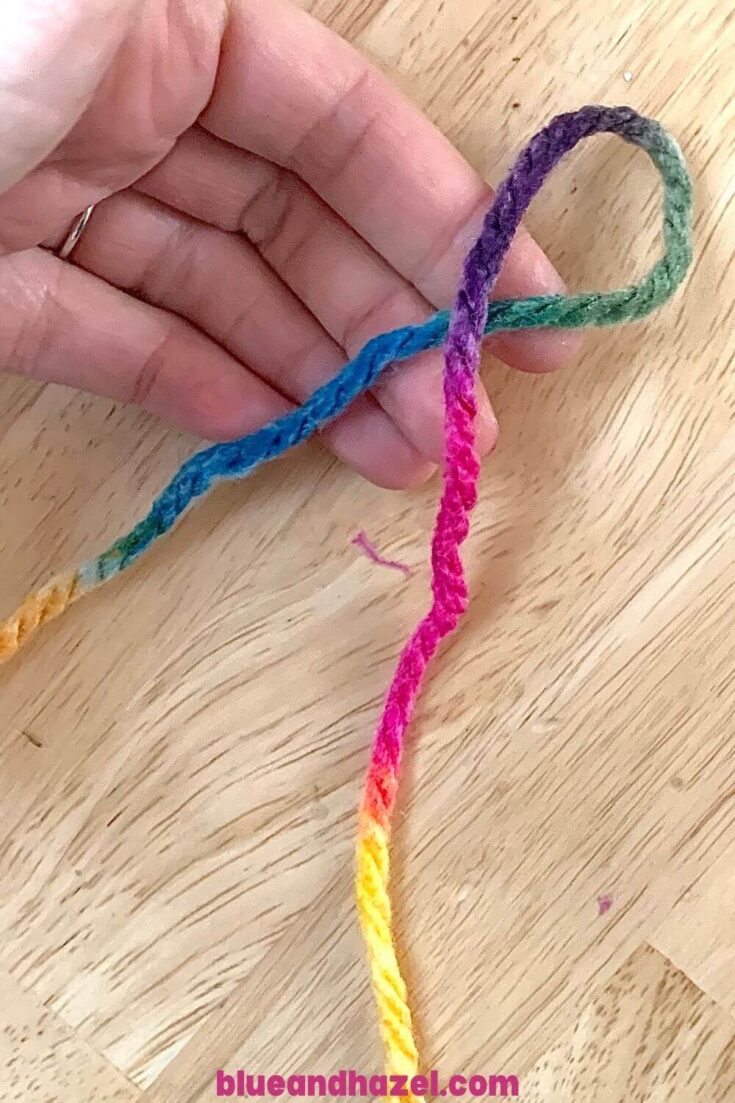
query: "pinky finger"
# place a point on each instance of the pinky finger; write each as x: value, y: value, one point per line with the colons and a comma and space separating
x: 62, y: 325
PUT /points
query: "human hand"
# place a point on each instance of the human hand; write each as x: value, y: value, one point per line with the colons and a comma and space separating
x: 266, y: 202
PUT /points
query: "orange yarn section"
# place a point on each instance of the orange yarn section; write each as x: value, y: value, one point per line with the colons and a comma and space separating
x: 37, y: 608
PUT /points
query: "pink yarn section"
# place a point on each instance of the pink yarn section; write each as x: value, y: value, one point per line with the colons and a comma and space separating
x: 449, y: 587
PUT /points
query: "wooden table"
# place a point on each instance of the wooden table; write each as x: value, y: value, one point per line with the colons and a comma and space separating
x: 179, y: 779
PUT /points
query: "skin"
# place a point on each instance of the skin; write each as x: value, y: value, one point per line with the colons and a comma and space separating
x: 267, y: 202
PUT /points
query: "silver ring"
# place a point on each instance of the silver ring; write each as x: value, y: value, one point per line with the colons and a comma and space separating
x: 67, y: 246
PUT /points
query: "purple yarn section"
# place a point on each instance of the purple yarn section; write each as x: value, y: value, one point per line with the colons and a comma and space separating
x: 525, y: 179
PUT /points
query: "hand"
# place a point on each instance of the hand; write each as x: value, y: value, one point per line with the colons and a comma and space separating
x: 266, y: 203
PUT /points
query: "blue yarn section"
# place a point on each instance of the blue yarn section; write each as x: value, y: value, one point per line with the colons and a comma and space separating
x: 233, y: 459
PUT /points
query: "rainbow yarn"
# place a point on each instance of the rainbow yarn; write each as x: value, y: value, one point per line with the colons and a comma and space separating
x: 462, y: 333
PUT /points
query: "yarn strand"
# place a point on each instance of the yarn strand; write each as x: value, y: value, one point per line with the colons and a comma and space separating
x: 235, y: 459
x: 461, y: 333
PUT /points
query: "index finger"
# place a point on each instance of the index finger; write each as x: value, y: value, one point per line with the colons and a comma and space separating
x: 290, y: 90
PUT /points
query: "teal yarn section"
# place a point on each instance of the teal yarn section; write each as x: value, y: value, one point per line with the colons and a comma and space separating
x: 234, y: 459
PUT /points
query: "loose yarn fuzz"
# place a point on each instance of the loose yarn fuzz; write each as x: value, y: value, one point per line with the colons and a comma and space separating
x: 461, y: 334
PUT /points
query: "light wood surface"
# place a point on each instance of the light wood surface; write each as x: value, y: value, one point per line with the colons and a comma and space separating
x: 179, y: 779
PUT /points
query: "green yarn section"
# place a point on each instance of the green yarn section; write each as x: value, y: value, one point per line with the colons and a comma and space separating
x: 595, y: 308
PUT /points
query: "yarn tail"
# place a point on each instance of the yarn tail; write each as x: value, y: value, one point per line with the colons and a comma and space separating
x: 461, y: 469
x: 37, y: 608
x: 450, y: 598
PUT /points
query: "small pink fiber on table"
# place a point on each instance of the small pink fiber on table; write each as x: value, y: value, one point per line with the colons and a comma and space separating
x: 362, y: 541
x: 604, y: 903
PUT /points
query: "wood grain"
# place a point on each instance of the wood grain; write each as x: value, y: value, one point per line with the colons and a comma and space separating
x: 176, y: 828
x: 649, y: 1034
x: 42, y: 1060
x: 697, y: 933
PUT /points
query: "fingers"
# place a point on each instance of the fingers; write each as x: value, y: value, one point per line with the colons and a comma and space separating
x: 61, y: 324
x: 352, y: 291
x: 294, y: 93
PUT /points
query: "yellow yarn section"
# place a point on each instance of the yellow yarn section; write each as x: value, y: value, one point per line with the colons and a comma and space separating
x: 37, y: 608
x: 374, y: 909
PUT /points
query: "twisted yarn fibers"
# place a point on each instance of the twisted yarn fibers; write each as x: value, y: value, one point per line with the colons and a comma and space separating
x: 468, y: 321
x: 461, y: 333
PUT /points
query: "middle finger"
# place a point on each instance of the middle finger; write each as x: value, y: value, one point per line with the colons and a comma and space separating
x: 352, y: 291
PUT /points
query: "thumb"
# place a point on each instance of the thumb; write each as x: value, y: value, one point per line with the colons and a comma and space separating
x: 53, y: 54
